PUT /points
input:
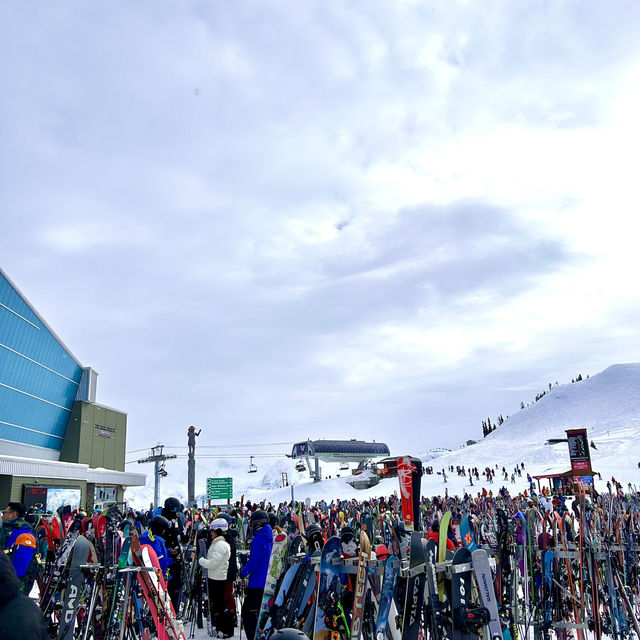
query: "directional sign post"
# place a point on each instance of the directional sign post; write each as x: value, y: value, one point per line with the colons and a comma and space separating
x: 219, y: 488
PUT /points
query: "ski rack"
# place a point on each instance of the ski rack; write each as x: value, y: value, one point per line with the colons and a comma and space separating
x: 569, y: 625
x: 376, y: 567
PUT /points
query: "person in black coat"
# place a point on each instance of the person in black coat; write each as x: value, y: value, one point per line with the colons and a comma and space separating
x: 20, y: 617
x: 174, y: 536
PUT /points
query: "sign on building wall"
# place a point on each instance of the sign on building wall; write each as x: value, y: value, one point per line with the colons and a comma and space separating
x: 105, y: 432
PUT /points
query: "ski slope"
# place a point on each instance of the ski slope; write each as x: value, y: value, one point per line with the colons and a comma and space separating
x: 607, y: 404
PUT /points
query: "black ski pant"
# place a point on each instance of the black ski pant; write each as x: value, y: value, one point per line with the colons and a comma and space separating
x: 221, y: 617
x: 174, y: 586
x: 250, y: 610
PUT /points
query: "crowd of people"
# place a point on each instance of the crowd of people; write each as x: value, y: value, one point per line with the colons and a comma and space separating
x: 239, y: 540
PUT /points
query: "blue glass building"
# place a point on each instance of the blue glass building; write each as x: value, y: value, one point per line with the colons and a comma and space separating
x: 54, y: 437
x: 39, y: 378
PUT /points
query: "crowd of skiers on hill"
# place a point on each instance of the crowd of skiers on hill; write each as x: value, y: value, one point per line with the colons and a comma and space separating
x: 488, y: 473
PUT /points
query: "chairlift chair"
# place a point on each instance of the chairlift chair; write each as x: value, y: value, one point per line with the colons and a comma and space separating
x: 252, y: 467
x: 300, y: 466
x: 344, y: 466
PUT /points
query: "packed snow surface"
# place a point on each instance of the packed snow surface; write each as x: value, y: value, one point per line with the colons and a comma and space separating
x: 607, y: 404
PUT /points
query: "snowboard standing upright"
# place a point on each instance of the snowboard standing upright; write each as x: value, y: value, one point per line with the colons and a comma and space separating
x: 79, y: 556
x: 410, y: 477
x: 414, y: 596
x: 276, y: 566
x: 328, y: 609
x: 484, y: 580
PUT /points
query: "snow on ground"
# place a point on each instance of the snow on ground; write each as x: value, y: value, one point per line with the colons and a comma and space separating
x: 607, y: 404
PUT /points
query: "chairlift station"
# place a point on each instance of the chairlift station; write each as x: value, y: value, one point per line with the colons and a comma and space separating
x: 336, y: 451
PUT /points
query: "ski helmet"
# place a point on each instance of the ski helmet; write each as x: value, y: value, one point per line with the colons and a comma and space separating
x: 219, y: 523
x: 159, y: 525
x: 382, y: 552
x: 273, y: 519
x: 289, y: 634
x: 347, y: 534
x: 227, y: 517
x: 313, y: 533
x: 314, y: 527
x: 173, y: 504
x: 259, y: 519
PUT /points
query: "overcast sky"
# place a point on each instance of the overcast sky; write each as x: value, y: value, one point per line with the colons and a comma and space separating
x: 281, y: 220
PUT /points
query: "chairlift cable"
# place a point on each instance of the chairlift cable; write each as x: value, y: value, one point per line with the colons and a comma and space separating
x: 219, y: 446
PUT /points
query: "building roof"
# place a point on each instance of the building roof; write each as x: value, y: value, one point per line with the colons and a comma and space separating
x: 339, y: 449
x: 40, y: 318
x: 34, y: 468
x: 394, y: 459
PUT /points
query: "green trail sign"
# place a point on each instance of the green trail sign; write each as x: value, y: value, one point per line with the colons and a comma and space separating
x: 219, y: 488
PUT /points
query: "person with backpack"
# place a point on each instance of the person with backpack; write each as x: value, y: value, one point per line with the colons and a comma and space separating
x: 19, y: 543
x: 155, y: 537
x: 174, y: 536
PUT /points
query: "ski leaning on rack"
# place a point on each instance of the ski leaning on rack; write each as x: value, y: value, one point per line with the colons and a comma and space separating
x: 437, y: 611
x: 391, y: 570
x: 284, y: 601
x: 361, y: 586
x: 202, y: 550
x: 155, y: 593
x: 442, y: 550
x: 59, y: 570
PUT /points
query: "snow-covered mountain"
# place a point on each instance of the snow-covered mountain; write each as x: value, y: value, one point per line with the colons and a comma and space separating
x: 607, y: 404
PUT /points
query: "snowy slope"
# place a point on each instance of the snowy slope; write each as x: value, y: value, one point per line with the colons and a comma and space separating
x: 607, y: 404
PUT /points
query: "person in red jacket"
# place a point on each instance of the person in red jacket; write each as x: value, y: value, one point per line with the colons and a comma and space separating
x: 434, y: 534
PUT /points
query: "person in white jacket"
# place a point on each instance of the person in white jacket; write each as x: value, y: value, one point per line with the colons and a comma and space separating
x: 216, y: 563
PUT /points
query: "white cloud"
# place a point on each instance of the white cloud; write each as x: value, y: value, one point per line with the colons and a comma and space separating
x: 313, y: 210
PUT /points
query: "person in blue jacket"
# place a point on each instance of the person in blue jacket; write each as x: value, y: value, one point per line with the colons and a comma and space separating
x: 19, y: 542
x: 256, y: 568
x: 154, y: 536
